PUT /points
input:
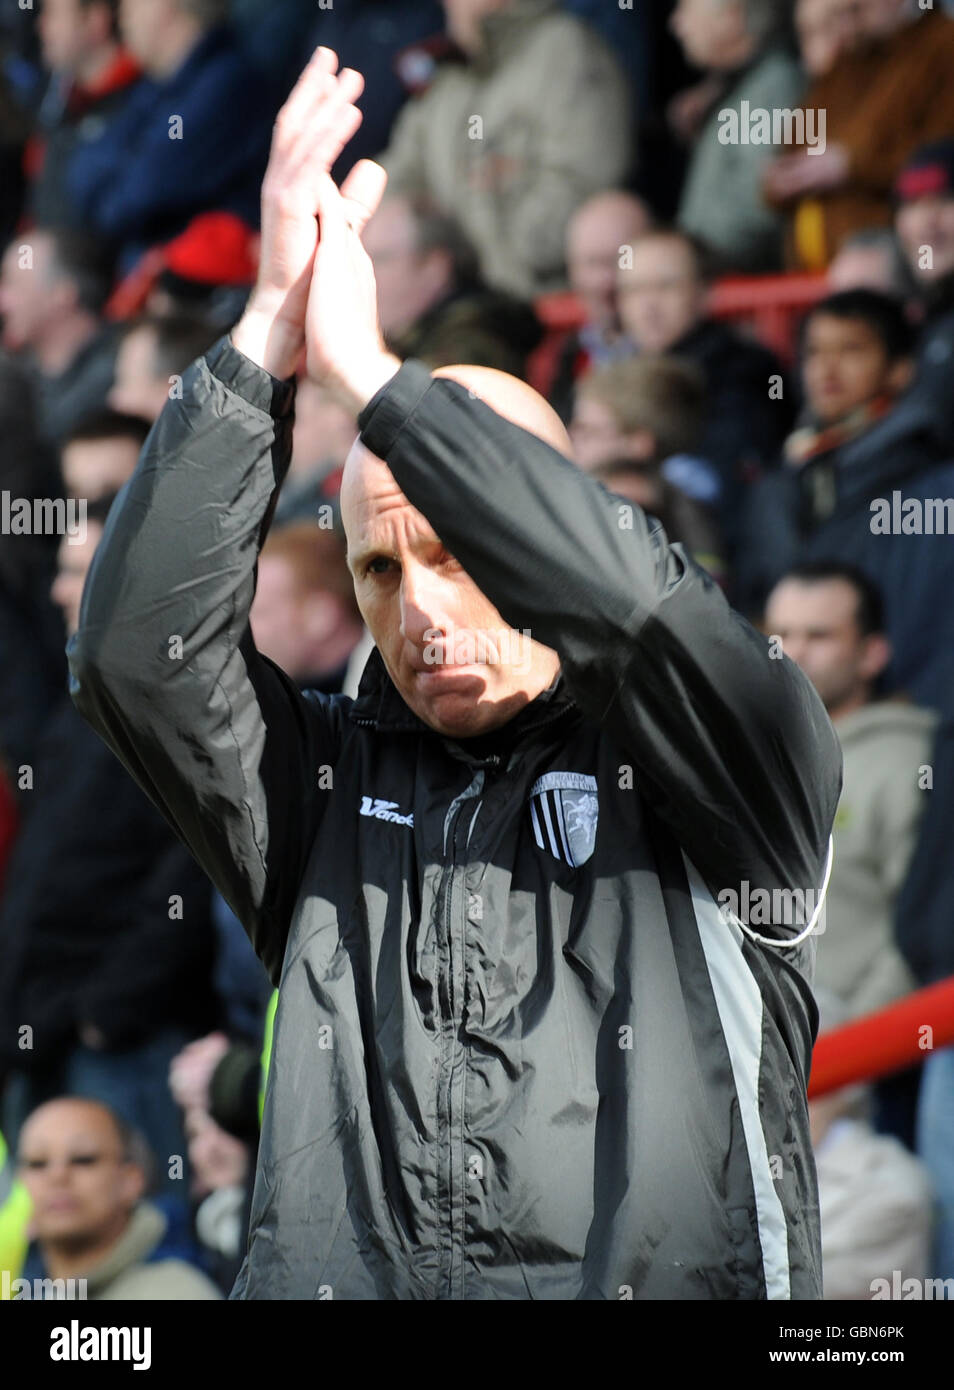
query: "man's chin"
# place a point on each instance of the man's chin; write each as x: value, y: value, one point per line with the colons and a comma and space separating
x: 457, y: 703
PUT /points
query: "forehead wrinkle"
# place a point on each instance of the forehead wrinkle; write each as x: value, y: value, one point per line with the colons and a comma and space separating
x: 388, y: 524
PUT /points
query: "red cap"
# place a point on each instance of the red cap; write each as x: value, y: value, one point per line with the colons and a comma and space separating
x: 217, y: 248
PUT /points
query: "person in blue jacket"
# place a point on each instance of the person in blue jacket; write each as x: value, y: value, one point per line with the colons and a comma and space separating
x: 193, y: 136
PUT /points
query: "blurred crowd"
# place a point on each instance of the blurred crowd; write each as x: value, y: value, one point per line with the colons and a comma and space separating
x: 571, y: 185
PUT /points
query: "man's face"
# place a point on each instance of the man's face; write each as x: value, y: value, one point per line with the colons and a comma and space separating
x: 71, y: 1162
x: 707, y: 29
x: 594, y: 238
x: 844, y: 366
x: 661, y: 298
x: 72, y: 567
x: 596, y: 433
x: 69, y: 33
x: 33, y: 296
x: 141, y: 23
x: 93, y: 467
x: 408, y: 282
x: 825, y: 29
x: 927, y: 223
x: 454, y: 660
x: 136, y: 389
x: 818, y: 627
x: 464, y: 20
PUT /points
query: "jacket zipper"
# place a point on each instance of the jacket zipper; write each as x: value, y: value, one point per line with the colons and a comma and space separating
x: 453, y: 1061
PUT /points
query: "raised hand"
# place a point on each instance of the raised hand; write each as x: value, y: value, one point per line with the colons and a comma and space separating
x: 312, y: 128
x: 344, y: 347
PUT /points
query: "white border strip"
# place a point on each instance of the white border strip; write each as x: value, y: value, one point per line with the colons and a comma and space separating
x: 739, y: 1003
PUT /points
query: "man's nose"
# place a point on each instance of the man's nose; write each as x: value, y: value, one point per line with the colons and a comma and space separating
x: 425, y: 604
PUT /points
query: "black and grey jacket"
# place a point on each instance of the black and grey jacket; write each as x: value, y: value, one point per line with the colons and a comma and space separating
x: 519, y: 1051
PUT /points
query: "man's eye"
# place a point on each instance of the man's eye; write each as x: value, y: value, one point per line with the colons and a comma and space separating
x: 379, y: 565
x: 34, y: 1164
x: 83, y: 1160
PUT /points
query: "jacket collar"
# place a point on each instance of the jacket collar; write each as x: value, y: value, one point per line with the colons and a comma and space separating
x: 379, y: 705
x: 147, y: 1226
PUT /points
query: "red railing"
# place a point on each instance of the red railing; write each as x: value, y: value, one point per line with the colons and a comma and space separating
x: 894, y: 1038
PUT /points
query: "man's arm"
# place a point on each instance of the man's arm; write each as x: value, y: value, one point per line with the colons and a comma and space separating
x: 731, y: 747
x: 164, y: 666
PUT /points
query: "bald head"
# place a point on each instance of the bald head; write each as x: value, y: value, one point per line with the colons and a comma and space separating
x: 507, y: 395
x: 455, y: 661
x: 595, y: 234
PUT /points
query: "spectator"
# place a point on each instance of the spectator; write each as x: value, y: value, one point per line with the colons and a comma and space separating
x: 91, y: 76
x: 222, y: 1166
x: 430, y: 299
x: 662, y: 299
x: 829, y: 618
x: 925, y: 226
x: 869, y: 260
x: 53, y: 285
x: 738, y: 42
x: 32, y: 667
x: 513, y: 140
x: 875, y: 1197
x: 153, y: 354
x: 192, y: 137
x: 107, y: 961
x: 596, y: 238
x: 925, y: 937
x: 825, y: 30
x: 395, y: 44
x: 304, y: 617
x: 78, y: 1162
x: 863, y: 446
x: 15, y: 127
x: 99, y: 455
x: 205, y: 272
x: 635, y: 427
x: 221, y: 1160
x: 882, y: 99
x: 14, y: 1218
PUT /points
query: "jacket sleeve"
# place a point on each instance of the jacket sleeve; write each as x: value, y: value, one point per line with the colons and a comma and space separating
x: 164, y: 667
x: 729, y: 742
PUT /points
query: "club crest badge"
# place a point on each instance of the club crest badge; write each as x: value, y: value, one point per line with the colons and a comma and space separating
x: 564, y: 809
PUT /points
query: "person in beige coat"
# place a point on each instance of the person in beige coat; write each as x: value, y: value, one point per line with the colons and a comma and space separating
x: 515, y: 138
x: 876, y: 1199
x: 828, y: 617
x: 78, y: 1162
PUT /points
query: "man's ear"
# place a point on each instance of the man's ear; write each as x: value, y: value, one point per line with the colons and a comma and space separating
x: 132, y: 1184
x: 899, y: 375
x: 876, y: 654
